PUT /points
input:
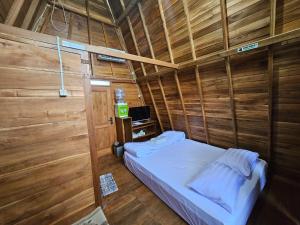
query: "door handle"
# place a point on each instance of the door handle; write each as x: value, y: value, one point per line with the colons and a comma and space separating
x: 111, y: 120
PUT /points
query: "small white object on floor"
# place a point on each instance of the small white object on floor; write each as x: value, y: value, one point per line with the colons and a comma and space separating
x: 107, y: 184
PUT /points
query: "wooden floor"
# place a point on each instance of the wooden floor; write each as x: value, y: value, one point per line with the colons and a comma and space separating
x: 135, y: 204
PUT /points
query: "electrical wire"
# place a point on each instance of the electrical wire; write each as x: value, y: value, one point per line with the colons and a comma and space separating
x: 64, y: 13
x: 35, y: 26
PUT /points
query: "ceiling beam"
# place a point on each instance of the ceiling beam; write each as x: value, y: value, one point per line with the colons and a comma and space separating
x: 143, y: 69
x: 156, y: 67
x: 15, y: 32
x: 167, y: 36
x: 82, y: 11
x: 126, y: 10
x: 196, y: 69
x: 232, y: 51
x: 14, y: 12
x: 228, y: 69
x: 29, y: 15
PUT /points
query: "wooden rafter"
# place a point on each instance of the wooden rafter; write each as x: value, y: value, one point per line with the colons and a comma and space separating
x: 126, y: 10
x: 143, y: 69
x: 265, y: 42
x: 87, y: 7
x: 155, y: 66
x: 14, y: 12
x: 162, y: 16
x: 197, y: 74
x: 228, y: 69
x: 29, y: 15
x: 200, y: 90
x: 6, y: 30
x: 270, y: 77
x: 82, y: 11
x: 219, y: 56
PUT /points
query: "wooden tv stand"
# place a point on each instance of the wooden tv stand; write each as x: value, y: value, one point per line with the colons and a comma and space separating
x: 125, y: 128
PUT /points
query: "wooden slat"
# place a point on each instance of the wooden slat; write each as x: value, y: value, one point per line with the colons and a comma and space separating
x: 29, y: 15
x: 143, y: 69
x: 14, y: 12
x: 228, y: 68
x: 155, y: 66
x: 15, y: 32
x: 197, y: 75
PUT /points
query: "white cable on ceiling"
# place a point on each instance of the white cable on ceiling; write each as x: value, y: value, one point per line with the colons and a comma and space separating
x: 64, y: 13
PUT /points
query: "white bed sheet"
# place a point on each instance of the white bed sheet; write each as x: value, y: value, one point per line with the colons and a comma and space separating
x: 168, y: 171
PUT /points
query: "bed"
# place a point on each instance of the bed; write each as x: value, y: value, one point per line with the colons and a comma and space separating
x: 167, y: 171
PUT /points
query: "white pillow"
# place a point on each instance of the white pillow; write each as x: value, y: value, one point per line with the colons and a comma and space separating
x: 240, y: 160
x: 146, y: 148
x: 173, y: 136
x: 220, y: 184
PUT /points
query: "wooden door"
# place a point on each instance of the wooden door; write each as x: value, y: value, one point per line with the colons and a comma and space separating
x: 103, y: 116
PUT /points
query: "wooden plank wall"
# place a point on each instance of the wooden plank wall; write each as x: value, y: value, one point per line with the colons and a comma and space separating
x: 102, y: 35
x: 249, y: 100
x: 45, y: 161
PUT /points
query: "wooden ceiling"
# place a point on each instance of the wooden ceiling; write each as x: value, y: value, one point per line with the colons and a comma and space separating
x: 21, y: 13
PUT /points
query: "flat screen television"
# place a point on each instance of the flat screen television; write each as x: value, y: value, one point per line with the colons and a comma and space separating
x: 139, y: 113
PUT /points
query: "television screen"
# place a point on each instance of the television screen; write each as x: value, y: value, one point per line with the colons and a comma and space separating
x: 139, y: 113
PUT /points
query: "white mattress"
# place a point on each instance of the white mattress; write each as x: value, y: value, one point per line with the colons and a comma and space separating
x: 167, y: 171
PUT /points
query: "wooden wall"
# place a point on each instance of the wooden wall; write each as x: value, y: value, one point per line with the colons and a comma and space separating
x: 45, y: 161
x: 248, y: 100
x: 102, y: 35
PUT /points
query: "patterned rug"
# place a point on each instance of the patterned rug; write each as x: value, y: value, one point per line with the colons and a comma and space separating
x: 96, y: 217
x: 107, y: 184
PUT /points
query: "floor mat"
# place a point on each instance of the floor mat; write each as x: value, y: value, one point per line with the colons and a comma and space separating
x: 107, y: 184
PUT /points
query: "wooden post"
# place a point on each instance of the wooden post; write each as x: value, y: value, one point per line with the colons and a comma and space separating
x: 143, y: 68
x: 197, y: 75
x: 14, y: 12
x: 228, y: 69
x: 161, y: 11
x: 29, y: 15
x: 85, y: 70
x: 87, y: 7
x: 182, y: 103
x: 155, y: 66
x: 270, y: 78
